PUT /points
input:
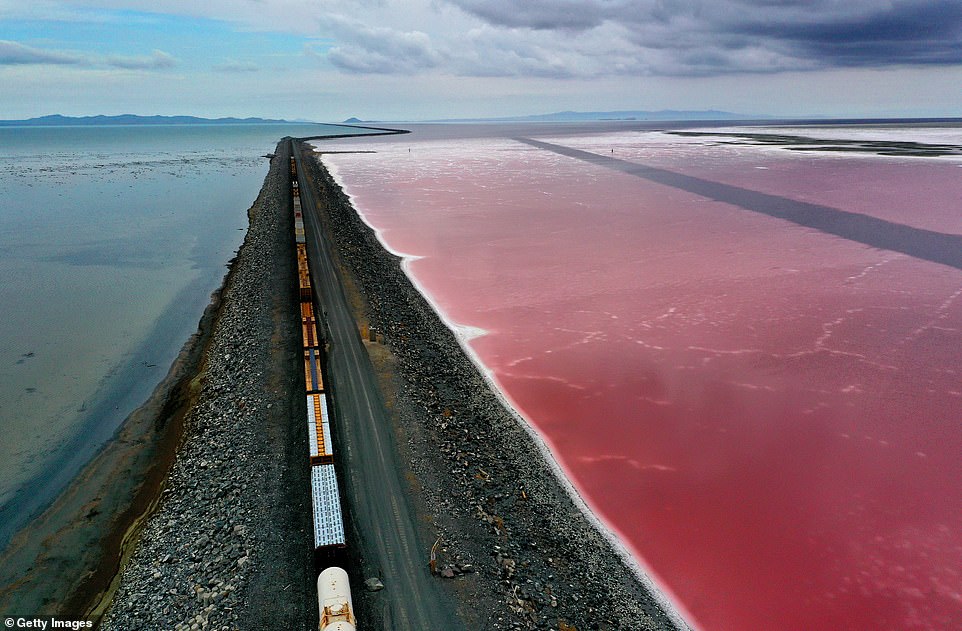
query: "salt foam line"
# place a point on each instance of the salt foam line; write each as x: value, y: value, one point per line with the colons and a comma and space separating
x: 336, y: 175
x: 676, y: 613
x: 464, y: 334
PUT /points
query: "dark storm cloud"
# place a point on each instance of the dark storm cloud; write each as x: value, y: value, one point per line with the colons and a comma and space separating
x: 705, y: 37
x: 919, y: 32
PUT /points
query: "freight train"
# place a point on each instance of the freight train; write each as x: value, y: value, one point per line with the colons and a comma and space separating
x: 333, y: 588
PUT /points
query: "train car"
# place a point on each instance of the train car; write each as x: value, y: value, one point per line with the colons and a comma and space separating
x: 304, y: 287
x: 304, y: 283
x: 313, y: 379
x: 319, y: 430
x: 329, y: 542
x: 334, y: 601
x: 303, y: 271
x: 308, y: 326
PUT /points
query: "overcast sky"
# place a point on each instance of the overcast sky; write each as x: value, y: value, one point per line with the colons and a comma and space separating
x: 422, y: 59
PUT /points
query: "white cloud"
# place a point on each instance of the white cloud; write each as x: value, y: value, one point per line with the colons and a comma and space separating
x: 158, y: 60
x: 233, y: 65
x: 15, y: 53
x: 380, y: 50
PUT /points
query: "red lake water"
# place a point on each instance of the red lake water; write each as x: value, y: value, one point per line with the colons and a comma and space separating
x: 768, y: 417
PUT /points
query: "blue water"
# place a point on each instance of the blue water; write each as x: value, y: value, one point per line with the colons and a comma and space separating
x: 111, y: 242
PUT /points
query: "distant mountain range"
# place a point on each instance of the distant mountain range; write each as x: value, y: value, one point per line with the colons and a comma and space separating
x: 132, y: 119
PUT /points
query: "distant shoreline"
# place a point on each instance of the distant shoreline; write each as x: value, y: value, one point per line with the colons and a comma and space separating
x: 701, y: 117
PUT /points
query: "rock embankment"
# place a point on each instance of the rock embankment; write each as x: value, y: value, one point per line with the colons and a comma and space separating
x: 228, y: 546
x: 514, y: 547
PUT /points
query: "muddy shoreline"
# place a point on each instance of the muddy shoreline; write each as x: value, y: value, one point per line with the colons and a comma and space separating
x: 477, y: 476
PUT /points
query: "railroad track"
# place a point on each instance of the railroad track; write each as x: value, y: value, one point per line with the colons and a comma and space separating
x: 364, y: 441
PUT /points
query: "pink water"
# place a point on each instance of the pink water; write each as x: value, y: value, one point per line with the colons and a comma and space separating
x: 768, y: 417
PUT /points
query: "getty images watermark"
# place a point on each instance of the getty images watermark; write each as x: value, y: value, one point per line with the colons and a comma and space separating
x: 23, y: 622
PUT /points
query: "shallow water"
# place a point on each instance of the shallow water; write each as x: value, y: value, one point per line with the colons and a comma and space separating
x: 111, y: 242
x: 766, y: 414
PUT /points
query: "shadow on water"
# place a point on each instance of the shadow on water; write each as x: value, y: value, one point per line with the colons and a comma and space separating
x: 937, y: 247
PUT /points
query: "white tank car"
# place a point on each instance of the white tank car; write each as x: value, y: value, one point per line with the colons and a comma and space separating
x: 334, y: 601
